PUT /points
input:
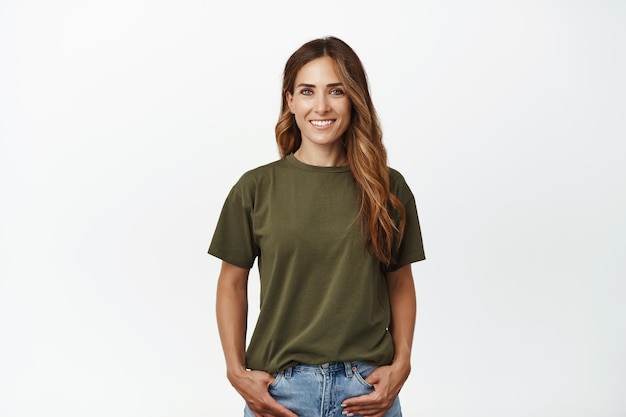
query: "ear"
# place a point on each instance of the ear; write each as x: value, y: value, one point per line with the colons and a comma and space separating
x: 289, y: 98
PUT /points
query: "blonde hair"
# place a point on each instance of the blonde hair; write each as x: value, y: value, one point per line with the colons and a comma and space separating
x: 367, y: 156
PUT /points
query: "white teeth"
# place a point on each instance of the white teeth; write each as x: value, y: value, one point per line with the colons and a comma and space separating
x: 321, y: 123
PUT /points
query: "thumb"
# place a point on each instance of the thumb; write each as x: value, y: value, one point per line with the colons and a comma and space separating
x: 373, y: 378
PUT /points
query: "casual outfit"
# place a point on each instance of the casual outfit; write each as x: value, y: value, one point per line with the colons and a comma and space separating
x: 324, y: 297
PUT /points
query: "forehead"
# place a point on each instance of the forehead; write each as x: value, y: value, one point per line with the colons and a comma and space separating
x: 320, y: 69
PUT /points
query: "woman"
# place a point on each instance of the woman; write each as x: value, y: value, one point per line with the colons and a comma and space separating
x: 335, y: 231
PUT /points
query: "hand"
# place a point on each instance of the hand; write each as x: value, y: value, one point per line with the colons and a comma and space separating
x: 253, y: 387
x: 387, y: 382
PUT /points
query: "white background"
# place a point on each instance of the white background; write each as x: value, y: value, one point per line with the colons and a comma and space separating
x: 123, y: 124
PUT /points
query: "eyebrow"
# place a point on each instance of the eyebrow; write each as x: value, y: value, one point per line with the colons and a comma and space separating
x: 313, y: 85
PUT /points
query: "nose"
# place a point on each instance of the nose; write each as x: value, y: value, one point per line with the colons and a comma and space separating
x: 321, y: 104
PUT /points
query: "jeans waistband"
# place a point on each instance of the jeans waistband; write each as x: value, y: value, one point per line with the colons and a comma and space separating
x: 324, y: 368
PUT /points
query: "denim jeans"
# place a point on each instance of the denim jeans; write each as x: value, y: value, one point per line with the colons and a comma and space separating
x: 319, y: 390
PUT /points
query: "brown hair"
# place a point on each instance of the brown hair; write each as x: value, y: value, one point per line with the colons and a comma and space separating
x: 367, y: 156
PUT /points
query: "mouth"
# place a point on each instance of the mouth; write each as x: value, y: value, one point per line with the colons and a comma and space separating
x: 322, y: 123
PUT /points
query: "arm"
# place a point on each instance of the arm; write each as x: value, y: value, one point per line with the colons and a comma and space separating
x: 388, y: 380
x: 232, y: 316
x: 403, y: 313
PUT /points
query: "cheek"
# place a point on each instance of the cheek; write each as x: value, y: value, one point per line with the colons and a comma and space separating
x: 347, y: 112
x: 297, y: 112
x: 346, y: 109
x: 297, y: 108
x: 299, y: 117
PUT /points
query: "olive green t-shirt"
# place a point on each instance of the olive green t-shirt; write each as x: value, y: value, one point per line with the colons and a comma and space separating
x: 323, y: 295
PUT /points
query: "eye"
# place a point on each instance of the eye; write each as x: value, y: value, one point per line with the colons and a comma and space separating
x: 306, y: 92
x: 336, y: 92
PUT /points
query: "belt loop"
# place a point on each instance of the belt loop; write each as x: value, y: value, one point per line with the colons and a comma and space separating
x: 288, y: 371
x: 348, y: 366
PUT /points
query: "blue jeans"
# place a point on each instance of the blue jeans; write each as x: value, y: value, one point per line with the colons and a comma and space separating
x: 319, y: 390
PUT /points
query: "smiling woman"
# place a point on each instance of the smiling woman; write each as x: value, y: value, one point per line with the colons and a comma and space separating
x: 335, y: 231
x: 322, y: 112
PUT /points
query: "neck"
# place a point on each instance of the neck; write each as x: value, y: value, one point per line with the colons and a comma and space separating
x: 333, y: 158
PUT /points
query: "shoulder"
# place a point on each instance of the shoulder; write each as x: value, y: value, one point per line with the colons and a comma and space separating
x: 396, y: 176
x: 255, y: 177
x: 261, y: 171
x: 399, y: 186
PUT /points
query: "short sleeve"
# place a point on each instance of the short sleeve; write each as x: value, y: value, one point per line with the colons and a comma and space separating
x: 233, y: 240
x: 411, y: 247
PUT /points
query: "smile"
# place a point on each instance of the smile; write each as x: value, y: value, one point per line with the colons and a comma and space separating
x: 321, y: 123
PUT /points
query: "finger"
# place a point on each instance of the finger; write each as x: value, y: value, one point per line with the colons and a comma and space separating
x: 366, y: 413
x: 369, y: 412
x: 364, y: 399
x: 274, y: 408
x: 373, y: 379
x: 366, y: 408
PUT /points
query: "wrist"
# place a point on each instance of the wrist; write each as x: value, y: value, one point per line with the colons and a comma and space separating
x: 235, y: 372
x: 402, y: 362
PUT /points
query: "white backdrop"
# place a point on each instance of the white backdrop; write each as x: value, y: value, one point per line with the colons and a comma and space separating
x: 123, y: 124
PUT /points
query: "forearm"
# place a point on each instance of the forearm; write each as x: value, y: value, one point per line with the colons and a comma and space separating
x: 231, y: 313
x: 403, y: 313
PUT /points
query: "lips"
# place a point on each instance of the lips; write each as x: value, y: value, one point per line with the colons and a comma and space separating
x: 321, y: 123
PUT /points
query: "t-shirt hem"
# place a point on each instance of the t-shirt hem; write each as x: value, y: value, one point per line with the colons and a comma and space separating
x: 235, y: 262
x: 410, y: 260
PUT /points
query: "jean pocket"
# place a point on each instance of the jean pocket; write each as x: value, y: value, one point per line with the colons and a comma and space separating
x: 277, y: 378
x: 361, y: 371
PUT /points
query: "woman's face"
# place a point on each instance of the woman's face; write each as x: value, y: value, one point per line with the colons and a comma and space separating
x: 319, y: 103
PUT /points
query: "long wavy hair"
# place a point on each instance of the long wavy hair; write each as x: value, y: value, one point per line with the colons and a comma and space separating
x: 382, y: 215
